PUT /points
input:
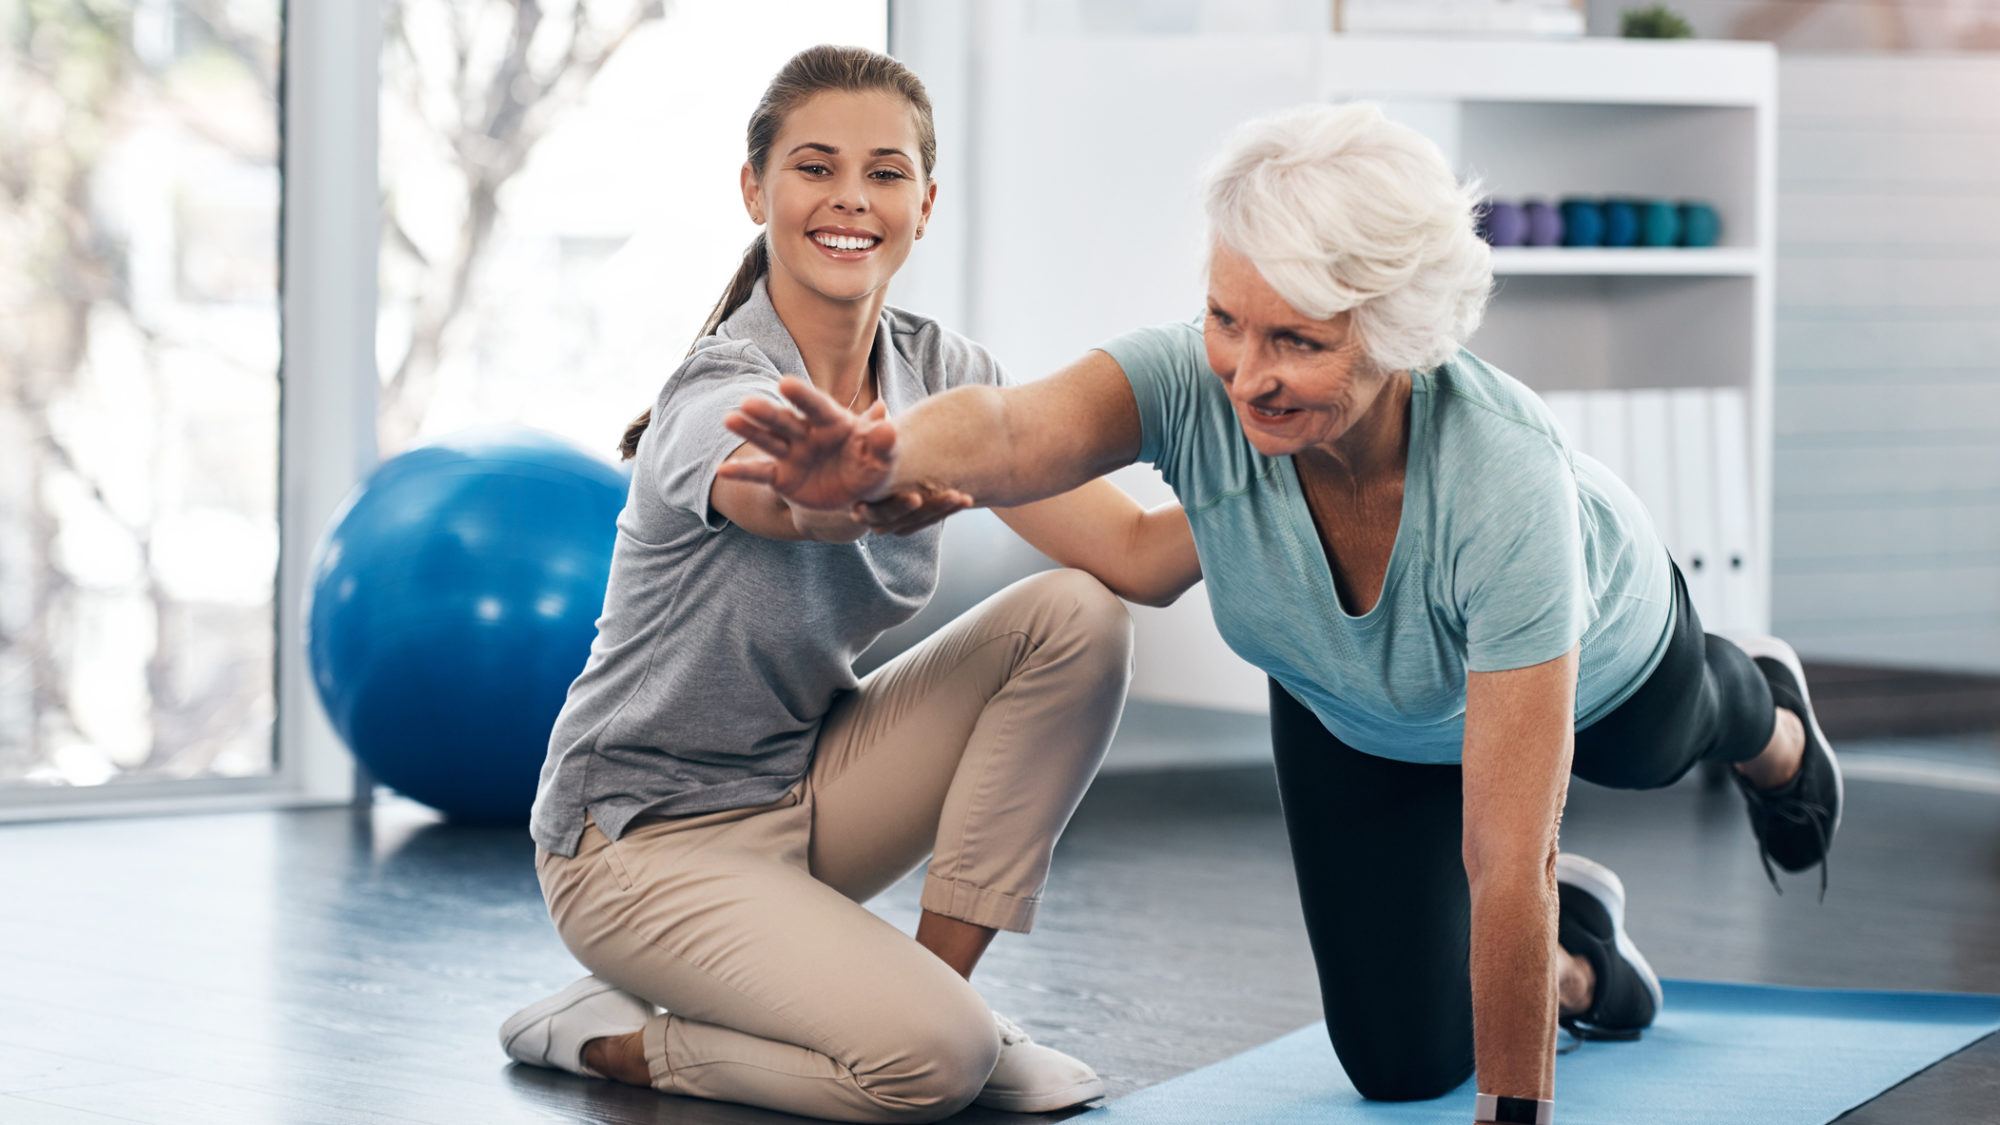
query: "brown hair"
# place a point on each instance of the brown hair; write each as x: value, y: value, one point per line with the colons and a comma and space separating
x: 811, y: 71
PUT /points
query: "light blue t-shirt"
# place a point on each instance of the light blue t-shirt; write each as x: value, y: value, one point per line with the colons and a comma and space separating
x: 1512, y: 548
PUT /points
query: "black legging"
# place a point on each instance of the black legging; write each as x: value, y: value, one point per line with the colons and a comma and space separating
x: 1378, y: 851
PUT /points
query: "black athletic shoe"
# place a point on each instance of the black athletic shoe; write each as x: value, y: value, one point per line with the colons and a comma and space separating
x: 1591, y: 924
x: 1795, y: 822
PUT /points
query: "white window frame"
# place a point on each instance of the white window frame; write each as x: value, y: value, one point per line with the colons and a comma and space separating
x: 329, y: 242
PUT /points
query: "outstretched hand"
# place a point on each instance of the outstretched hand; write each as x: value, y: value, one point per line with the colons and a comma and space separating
x: 909, y: 510
x: 817, y: 453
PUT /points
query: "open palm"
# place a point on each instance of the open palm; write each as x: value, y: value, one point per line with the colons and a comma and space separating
x: 817, y: 454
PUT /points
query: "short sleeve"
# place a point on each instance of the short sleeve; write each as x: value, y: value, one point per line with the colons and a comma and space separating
x: 1168, y: 369
x: 968, y: 364
x: 1519, y: 570
x: 686, y: 442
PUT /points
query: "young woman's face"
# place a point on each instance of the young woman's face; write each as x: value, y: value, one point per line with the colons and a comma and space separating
x: 843, y: 193
x: 1296, y: 382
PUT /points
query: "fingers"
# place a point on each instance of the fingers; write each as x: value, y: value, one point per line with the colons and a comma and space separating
x: 911, y: 510
x: 879, y: 439
x: 773, y: 416
x: 750, y: 470
x: 925, y: 517
x: 763, y: 438
x: 891, y: 508
x: 814, y: 404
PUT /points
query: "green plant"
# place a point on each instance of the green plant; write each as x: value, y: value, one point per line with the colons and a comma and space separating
x: 1655, y: 22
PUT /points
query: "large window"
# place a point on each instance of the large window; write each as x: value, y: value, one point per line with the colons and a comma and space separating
x: 559, y: 211
x: 560, y: 193
x: 138, y: 389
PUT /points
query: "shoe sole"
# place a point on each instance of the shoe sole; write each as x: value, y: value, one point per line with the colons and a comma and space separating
x: 1757, y: 645
x: 1047, y: 1102
x: 1604, y: 885
x: 518, y: 1024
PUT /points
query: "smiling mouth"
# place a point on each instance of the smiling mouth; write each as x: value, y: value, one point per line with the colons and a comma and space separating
x: 846, y: 243
x: 1272, y: 412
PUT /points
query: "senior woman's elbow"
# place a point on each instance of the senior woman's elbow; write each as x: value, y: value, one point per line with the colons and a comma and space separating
x: 1156, y: 591
x: 1151, y: 597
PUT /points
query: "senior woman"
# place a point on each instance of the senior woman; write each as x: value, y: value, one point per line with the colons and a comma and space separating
x: 1457, y: 611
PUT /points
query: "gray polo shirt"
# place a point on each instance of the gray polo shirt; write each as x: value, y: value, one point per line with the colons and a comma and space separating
x: 719, y: 652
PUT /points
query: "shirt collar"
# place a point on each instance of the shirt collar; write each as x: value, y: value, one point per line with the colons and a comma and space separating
x: 757, y: 321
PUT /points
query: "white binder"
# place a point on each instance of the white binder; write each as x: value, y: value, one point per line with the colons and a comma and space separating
x: 1604, y: 418
x: 1695, y: 530
x: 1649, y: 434
x: 1736, y: 528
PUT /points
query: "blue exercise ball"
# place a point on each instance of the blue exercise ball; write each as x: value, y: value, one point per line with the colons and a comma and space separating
x: 453, y: 599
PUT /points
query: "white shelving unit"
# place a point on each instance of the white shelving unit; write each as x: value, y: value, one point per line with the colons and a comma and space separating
x: 1082, y: 159
x: 1595, y: 262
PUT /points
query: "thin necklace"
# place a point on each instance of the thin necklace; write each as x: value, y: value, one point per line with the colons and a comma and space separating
x: 858, y: 388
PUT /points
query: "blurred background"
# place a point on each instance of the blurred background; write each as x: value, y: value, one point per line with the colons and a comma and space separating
x: 556, y: 210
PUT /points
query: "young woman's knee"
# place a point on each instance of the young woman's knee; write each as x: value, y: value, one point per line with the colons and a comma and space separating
x: 1085, y: 608
x: 938, y: 1068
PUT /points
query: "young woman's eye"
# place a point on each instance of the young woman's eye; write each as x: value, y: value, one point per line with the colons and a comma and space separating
x: 886, y: 174
x: 814, y: 169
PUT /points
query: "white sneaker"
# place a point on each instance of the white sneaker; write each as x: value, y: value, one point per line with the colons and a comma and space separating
x: 552, y: 1031
x: 1031, y: 1078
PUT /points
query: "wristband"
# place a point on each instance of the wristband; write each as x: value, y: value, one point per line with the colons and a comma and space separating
x: 1513, y: 1111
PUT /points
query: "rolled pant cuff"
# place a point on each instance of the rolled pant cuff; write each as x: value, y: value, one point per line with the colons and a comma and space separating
x: 979, y: 905
x: 653, y: 1038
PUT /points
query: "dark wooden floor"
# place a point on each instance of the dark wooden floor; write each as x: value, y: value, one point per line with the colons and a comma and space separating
x: 1862, y: 701
x: 329, y: 967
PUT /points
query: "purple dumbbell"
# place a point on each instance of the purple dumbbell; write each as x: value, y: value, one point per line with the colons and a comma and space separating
x: 1503, y: 224
x: 1545, y: 223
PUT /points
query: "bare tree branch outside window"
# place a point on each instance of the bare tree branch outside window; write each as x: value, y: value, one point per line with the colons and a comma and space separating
x: 137, y: 326
x: 486, y: 80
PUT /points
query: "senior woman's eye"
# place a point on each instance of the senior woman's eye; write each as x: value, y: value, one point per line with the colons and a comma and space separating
x: 1222, y: 319
x: 1299, y: 343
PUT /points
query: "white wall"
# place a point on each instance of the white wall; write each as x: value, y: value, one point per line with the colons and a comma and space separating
x: 1017, y: 184
x: 1887, y: 473
x: 1887, y: 458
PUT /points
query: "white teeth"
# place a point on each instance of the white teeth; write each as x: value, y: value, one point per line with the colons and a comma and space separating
x: 844, y: 241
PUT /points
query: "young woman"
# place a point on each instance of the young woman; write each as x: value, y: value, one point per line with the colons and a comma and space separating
x: 721, y: 794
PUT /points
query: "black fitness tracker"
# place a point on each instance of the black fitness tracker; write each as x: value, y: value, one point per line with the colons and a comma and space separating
x: 1513, y: 1111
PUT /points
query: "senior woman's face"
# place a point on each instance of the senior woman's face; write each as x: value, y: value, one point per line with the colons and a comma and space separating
x: 1296, y: 382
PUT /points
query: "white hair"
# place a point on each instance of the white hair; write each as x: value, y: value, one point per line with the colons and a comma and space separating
x: 1342, y: 210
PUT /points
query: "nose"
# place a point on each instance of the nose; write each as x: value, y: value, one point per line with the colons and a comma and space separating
x: 850, y: 196
x: 1254, y: 377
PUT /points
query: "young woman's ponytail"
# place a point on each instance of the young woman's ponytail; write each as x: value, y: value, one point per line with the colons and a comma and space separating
x: 756, y: 262
x: 811, y: 71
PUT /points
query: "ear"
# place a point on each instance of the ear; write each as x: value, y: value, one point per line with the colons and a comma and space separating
x: 930, y: 200
x: 753, y: 194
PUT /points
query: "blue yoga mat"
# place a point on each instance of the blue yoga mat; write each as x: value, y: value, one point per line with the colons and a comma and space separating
x: 1720, y: 1053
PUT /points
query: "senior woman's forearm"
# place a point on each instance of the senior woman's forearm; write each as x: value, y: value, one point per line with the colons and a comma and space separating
x: 1008, y: 446
x: 1514, y: 981
x: 963, y: 439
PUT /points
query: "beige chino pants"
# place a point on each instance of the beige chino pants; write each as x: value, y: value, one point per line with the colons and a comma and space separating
x: 781, y: 990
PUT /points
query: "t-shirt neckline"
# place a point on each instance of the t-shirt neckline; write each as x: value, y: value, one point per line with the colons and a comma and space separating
x: 1306, y: 533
